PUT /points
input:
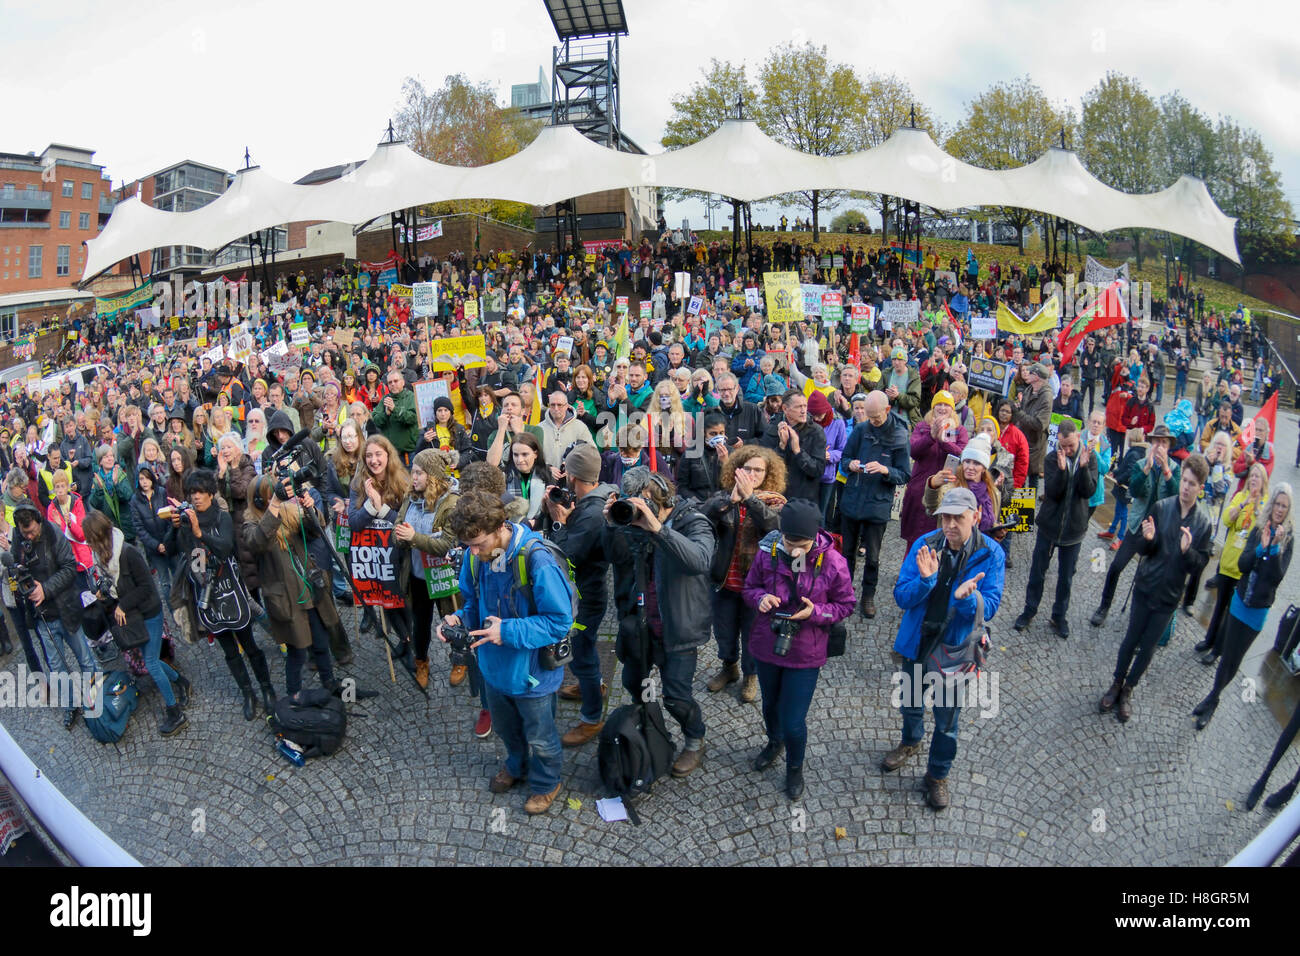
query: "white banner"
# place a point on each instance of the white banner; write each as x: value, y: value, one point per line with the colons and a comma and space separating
x: 298, y: 334
x: 1097, y: 274
x: 214, y: 354
x: 753, y: 298
x: 900, y: 310
x: 276, y: 350
x: 983, y: 326
x: 424, y: 299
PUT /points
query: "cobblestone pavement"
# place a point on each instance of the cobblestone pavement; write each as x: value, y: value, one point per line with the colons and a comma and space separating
x: 1044, y: 780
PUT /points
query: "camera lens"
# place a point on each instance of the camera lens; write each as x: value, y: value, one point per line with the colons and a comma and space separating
x: 622, y: 511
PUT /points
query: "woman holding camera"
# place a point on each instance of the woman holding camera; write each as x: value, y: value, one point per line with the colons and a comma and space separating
x: 299, y: 605
x: 746, y: 510
x: 134, y: 600
x: 801, y: 587
x: 203, y: 536
x: 423, y: 532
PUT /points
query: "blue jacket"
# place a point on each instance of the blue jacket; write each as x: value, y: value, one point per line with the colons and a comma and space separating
x: 871, y: 497
x: 912, y: 591
x: 512, y: 667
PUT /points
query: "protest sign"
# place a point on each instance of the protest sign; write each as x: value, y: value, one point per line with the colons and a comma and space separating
x: 276, y: 350
x: 465, y: 351
x: 983, y: 327
x: 214, y: 354
x: 832, y: 307
x: 645, y: 308
x: 1019, y: 509
x: 991, y: 376
x: 401, y: 291
x: 426, y: 393
x: 682, y: 284
x: 620, y: 305
x: 946, y: 276
x: 471, y: 308
x: 812, y: 299
x: 753, y: 298
x: 298, y: 334
x: 241, y: 347
x: 424, y: 299
x: 564, y: 344
x: 900, y: 310
x: 784, y: 296
x: 343, y: 337
x: 372, y: 565
x: 1035, y: 296
x: 1055, y: 425
x: 861, y: 315
x: 694, y: 307
x: 388, y: 277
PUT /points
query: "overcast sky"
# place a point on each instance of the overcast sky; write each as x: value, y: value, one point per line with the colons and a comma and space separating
x: 147, y: 83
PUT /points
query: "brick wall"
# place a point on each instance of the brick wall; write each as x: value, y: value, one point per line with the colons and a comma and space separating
x: 457, y: 234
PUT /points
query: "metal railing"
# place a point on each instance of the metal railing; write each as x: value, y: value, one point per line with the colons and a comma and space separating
x: 1273, y: 840
x: 71, y: 831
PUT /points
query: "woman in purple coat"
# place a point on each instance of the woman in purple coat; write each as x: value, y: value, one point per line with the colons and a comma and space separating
x: 934, y: 438
x: 801, y: 584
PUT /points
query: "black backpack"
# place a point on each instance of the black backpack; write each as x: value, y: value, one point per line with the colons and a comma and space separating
x: 635, y: 749
x: 316, y: 721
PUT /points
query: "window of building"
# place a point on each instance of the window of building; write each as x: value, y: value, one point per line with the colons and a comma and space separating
x: 87, y: 190
x: 65, y: 219
x: 83, y: 220
x: 8, y: 321
x: 67, y: 189
x: 34, y: 256
x: 64, y: 254
x: 9, y: 190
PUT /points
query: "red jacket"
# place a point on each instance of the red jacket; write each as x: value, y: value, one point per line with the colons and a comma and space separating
x: 71, y: 528
x: 1014, y: 441
x: 1139, y: 414
x: 1115, y: 408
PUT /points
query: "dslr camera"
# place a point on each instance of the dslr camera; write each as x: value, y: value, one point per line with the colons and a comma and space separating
x: 562, y: 496
x: 300, y: 477
x: 458, y: 639
x: 623, y: 512
x: 783, y: 629
x: 167, y: 512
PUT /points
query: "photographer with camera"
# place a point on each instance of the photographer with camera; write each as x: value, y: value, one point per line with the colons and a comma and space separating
x: 277, y: 526
x: 801, y: 587
x: 130, y: 599
x: 662, y: 551
x: 577, y: 525
x: 510, y: 628
x: 41, y: 561
x: 216, y: 599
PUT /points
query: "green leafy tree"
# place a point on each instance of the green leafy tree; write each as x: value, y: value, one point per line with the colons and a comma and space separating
x: 1187, y: 148
x: 1120, y: 139
x: 1009, y: 125
x: 460, y: 124
x: 809, y: 103
x: 1245, y: 184
x: 849, y: 217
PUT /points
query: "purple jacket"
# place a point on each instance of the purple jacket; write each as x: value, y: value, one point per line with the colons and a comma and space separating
x: 928, y: 457
x: 837, y: 436
x: 825, y: 582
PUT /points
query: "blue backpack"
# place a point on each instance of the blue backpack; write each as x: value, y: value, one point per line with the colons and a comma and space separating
x: 120, y: 697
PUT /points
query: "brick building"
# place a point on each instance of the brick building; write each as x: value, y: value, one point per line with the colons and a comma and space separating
x: 50, y: 204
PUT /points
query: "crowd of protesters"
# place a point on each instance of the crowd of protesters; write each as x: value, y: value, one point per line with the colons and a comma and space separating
x: 766, y: 462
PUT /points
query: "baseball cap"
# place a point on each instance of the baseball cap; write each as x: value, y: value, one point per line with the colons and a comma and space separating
x: 957, y: 501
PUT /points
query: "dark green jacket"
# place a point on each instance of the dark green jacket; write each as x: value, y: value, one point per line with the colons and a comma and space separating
x: 402, y: 427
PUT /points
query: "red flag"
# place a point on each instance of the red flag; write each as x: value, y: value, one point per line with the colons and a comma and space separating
x: 1269, y: 414
x: 1106, y: 311
x: 855, y: 354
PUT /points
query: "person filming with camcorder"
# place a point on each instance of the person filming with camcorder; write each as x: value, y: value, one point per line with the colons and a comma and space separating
x: 41, y: 563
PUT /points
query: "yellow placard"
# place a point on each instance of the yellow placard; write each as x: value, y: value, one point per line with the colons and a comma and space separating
x: 461, y: 351
x: 784, y: 296
x: 402, y: 291
x: 1045, y: 319
x: 175, y: 321
x: 471, y: 308
x: 1035, y: 296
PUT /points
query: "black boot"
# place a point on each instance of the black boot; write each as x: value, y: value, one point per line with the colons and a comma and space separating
x: 268, y: 697
x: 1210, y: 702
x: 1256, y: 792
x: 1282, y: 797
x: 794, y: 782
x: 174, y: 720
x: 240, y: 673
x: 1205, y: 716
x: 184, y: 689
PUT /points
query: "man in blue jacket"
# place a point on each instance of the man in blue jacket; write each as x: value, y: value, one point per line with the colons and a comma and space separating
x: 936, y: 590
x: 508, y: 634
x: 876, y: 461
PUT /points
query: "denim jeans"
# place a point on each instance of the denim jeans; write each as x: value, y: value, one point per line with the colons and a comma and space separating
x: 943, y: 745
x: 51, y: 635
x: 1119, y: 523
x: 1180, y: 386
x: 733, y: 619
x: 677, y: 671
x: 162, y: 566
x: 158, y: 669
x: 787, y: 695
x: 586, y: 664
x: 320, y: 650
x: 527, y: 727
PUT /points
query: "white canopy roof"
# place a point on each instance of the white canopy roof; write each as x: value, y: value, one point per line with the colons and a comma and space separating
x: 738, y: 160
